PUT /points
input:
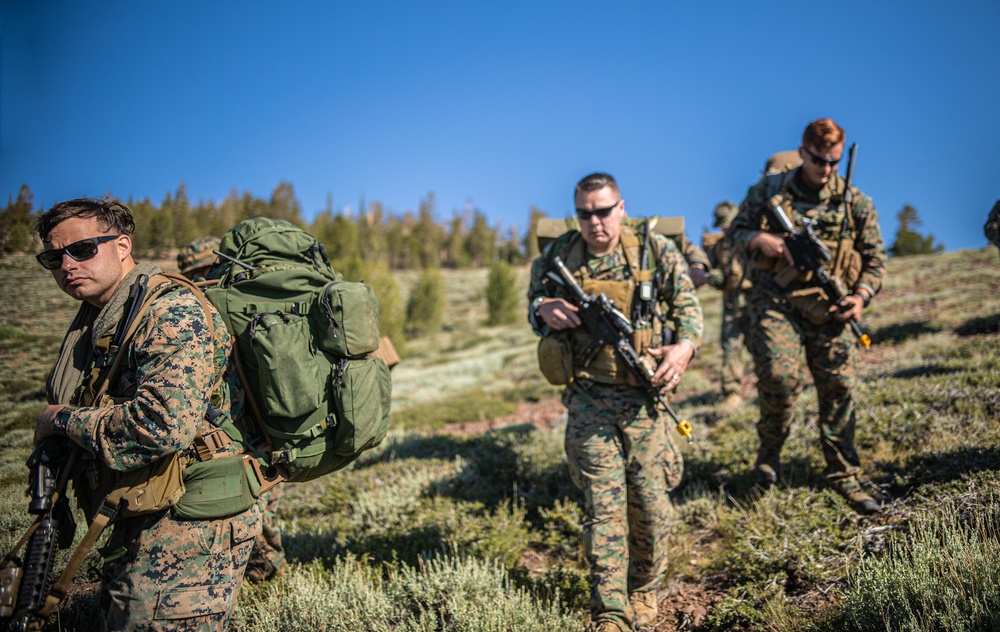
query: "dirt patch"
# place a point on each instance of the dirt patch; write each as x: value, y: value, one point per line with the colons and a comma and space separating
x: 684, y: 605
x: 544, y: 415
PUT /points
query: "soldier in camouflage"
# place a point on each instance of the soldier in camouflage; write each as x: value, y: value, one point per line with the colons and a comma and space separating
x: 727, y: 275
x: 784, y: 319
x: 196, y: 261
x: 992, y: 227
x: 160, y: 572
x: 624, y: 461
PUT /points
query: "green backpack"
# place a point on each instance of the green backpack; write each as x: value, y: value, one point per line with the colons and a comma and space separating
x: 302, y: 338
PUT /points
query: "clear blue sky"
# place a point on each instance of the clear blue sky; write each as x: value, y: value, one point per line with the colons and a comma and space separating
x: 500, y: 105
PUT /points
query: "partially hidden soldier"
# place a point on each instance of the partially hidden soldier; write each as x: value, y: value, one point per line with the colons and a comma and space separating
x: 699, y: 263
x: 196, y: 261
x: 788, y: 312
x: 727, y: 275
x: 167, y: 395
x: 620, y: 456
x: 992, y: 227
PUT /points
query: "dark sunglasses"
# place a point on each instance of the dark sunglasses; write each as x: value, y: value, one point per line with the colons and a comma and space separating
x: 819, y: 161
x: 601, y: 213
x: 78, y: 250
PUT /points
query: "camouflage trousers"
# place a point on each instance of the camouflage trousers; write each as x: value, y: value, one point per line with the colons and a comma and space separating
x: 733, y: 327
x: 621, y: 460
x: 268, y: 557
x: 777, y: 336
x: 176, y: 574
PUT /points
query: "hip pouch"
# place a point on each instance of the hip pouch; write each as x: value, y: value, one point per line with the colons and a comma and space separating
x: 555, y: 359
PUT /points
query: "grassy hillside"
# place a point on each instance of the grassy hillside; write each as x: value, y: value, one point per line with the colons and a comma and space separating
x: 444, y: 527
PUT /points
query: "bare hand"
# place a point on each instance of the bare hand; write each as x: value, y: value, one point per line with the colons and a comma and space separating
x: 559, y: 314
x: 850, y: 309
x: 770, y: 245
x: 45, y: 426
x: 674, y: 360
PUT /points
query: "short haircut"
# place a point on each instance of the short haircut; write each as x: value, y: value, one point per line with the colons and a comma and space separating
x: 111, y: 215
x: 822, y: 134
x: 595, y: 182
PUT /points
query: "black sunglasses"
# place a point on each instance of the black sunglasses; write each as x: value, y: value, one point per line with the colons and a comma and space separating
x: 78, y: 250
x: 819, y: 161
x: 601, y: 213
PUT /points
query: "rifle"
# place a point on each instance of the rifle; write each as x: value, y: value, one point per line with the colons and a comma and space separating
x: 809, y: 252
x: 25, y: 584
x: 608, y: 326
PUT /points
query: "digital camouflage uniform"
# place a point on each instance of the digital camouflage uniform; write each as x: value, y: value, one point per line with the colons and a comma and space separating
x: 196, y: 261
x: 162, y: 573
x: 778, y: 332
x: 992, y: 227
x: 624, y: 462
x: 727, y: 275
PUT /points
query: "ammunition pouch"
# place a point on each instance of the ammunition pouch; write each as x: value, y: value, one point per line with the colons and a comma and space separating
x: 555, y: 358
x: 217, y: 488
x: 813, y: 304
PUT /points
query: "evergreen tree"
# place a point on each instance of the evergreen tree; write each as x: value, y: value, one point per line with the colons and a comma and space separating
x: 501, y: 295
x: 283, y: 204
x: 531, y: 239
x: 15, y: 222
x: 425, y: 306
x: 481, y: 244
x: 908, y: 241
x: 456, y: 255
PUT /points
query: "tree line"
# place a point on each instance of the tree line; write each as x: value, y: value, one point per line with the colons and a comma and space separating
x: 411, y: 240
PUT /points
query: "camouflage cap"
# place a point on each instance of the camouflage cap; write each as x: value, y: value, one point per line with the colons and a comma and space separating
x: 198, y: 254
x: 724, y: 213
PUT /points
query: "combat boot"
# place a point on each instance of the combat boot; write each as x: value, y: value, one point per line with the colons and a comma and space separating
x: 646, y: 610
x: 859, y: 501
x: 766, y: 470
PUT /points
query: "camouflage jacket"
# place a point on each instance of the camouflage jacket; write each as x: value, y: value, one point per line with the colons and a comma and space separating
x: 726, y: 266
x: 163, y: 390
x: 676, y: 291
x: 694, y: 254
x: 822, y: 205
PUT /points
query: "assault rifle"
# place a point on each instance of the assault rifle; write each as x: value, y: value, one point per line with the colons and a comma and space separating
x: 608, y: 326
x: 808, y: 250
x: 25, y: 584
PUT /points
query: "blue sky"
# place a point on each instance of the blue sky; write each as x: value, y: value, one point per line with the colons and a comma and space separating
x: 500, y: 106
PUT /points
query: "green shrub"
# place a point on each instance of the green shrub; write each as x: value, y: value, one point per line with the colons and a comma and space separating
x: 942, y: 575
x: 501, y: 295
x: 425, y: 306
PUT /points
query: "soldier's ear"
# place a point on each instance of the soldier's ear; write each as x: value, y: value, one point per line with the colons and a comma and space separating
x: 124, y: 245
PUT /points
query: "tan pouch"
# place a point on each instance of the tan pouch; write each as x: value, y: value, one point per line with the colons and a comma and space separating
x: 641, y: 340
x: 812, y: 304
x: 154, y: 487
x: 555, y: 358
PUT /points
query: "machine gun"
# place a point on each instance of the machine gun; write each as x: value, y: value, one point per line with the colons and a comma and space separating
x: 809, y: 252
x: 608, y: 326
x: 24, y: 584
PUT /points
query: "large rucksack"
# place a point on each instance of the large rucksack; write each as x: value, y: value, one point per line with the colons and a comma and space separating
x: 303, y: 337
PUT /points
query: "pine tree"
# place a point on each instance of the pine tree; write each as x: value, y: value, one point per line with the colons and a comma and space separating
x: 531, y: 239
x: 908, y: 241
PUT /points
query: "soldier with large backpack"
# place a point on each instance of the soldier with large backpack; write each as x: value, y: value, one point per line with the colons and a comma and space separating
x: 790, y: 310
x: 140, y: 390
x: 617, y: 446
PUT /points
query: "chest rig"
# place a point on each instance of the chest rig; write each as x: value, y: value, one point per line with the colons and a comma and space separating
x: 632, y: 294
x: 832, y: 221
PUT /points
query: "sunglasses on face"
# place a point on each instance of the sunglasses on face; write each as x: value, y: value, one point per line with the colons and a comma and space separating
x: 78, y: 251
x: 820, y: 161
x: 600, y: 213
